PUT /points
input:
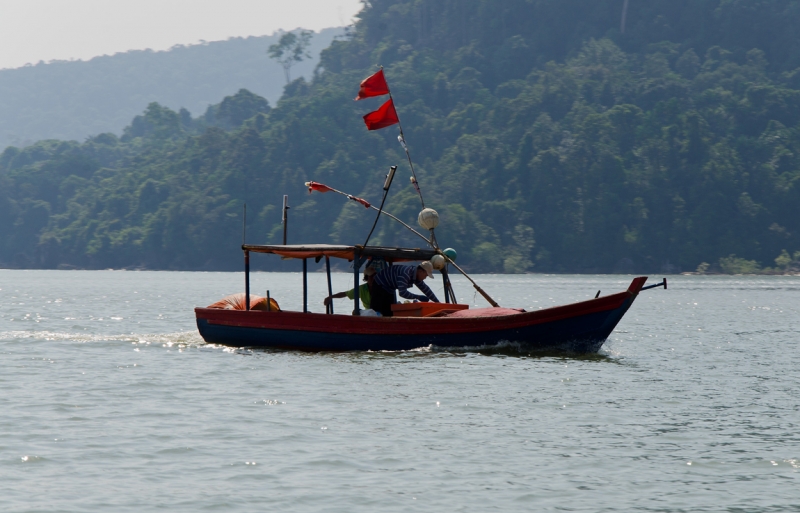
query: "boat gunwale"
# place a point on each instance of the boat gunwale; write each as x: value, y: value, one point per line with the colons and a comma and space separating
x: 320, y: 322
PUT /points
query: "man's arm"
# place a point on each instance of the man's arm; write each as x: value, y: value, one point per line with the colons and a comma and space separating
x: 404, y: 281
x: 427, y: 291
x: 338, y: 295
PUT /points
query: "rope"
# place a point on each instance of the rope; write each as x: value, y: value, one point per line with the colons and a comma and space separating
x: 385, y: 193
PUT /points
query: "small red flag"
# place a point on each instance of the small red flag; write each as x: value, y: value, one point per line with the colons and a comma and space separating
x: 374, y: 85
x: 383, y: 117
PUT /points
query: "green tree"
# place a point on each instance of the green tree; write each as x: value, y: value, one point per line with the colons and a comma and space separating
x: 291, y: 49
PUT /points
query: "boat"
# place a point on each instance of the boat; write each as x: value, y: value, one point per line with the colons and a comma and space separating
x: 579, y: 328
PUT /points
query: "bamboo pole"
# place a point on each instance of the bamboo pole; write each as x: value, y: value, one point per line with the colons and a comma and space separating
x: 482, y: 292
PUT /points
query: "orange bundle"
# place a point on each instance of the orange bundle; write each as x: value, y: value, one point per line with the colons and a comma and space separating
x: 237, y: 302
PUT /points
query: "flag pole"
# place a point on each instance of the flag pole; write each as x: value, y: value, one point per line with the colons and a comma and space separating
x: 386, y: 115
x: 402, y: 140
x: 408, y: 156
x: 414, y: 181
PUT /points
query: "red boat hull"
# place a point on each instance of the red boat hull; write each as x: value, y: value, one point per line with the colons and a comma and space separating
x: 580, y: 327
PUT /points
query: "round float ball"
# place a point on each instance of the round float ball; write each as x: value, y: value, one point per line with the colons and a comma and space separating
x: 438, y: 262
x: 451, y: 254
x: 428, y: 218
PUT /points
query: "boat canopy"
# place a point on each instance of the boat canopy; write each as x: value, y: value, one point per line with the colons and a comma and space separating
x: 302, y: 251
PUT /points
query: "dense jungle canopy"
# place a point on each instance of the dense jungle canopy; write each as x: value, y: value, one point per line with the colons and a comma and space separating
x: 549, y: 136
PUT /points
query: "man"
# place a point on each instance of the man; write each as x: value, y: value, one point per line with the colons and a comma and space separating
x: 363, y: 290
x: 401, y: 278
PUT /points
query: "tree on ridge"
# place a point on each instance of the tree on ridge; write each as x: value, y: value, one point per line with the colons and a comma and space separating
x: 291, y: 49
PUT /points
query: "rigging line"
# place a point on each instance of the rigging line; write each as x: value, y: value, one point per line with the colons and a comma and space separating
x: 387, y: 184
x: 385, y: 193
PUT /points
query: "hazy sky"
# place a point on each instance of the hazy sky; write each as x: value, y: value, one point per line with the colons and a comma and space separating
x: 34, y: 30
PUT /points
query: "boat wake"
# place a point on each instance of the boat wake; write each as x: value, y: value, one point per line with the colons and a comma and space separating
x: 511, y: 348
x: 180, y: 338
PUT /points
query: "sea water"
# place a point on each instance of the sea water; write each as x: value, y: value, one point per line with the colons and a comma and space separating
x: 110, y: 401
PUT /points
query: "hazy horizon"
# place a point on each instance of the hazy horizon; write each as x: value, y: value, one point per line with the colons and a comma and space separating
x: 32, y: 31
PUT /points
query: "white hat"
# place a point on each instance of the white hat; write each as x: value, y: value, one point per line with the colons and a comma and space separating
x: 428, y: 268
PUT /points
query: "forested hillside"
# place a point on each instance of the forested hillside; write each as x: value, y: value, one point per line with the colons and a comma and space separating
x: 549, y: 136
x: 78, y: 99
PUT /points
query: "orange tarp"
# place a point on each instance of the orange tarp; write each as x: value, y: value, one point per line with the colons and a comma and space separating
x: 425, y: 309
x: 238, y: 302
x: 347, y: 255
x: 345, y: 252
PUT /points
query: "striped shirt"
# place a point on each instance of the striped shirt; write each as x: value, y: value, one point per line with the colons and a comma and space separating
x: 401, y: 277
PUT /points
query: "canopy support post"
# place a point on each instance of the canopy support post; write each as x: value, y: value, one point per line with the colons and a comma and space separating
x: 285, y: 216
x: 330, y: 288
x: 247, y: 280
x: 356, y: 266
x: 446, y: 280
x: 305, y: 285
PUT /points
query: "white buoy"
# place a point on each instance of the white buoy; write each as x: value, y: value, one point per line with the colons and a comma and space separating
x: 428, y: 219
x: 438, y: 262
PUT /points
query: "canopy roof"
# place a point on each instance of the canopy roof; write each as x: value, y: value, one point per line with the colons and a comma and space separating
x: 345, y: 252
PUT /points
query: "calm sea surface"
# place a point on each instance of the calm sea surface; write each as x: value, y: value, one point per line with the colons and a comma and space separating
x: 110, y: 401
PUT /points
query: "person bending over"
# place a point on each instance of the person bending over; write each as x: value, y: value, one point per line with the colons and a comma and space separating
x: 401, y: 278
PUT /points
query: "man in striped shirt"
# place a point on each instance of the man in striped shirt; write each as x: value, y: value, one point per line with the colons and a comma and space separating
x: 401, y: 278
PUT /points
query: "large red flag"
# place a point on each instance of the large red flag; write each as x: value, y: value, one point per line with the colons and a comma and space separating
x: 383, y: 117
x: 374, y: 85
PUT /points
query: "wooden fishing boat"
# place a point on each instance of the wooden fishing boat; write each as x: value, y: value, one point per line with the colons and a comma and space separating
x: 577, y: 328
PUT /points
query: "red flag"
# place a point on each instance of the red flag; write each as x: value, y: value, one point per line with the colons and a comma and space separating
x: 374, y: 85
x: 383, y: 117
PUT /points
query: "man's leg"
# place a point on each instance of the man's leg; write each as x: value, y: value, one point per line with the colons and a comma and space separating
x: 382, y: 301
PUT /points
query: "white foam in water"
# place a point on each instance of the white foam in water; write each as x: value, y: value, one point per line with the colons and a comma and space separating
x: 503, y: 345
x: 188, y: 338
